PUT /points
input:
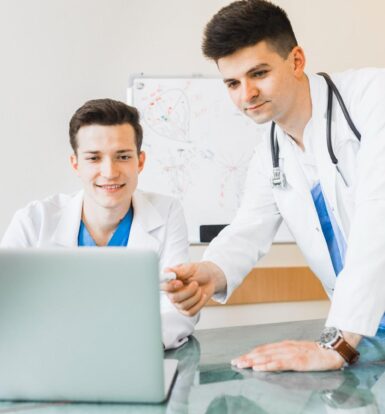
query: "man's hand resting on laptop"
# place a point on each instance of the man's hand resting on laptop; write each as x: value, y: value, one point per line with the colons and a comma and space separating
x: 194, y: 286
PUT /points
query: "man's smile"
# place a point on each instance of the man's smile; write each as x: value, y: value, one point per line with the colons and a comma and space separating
x: 110, y: 187
x: 254, y: 107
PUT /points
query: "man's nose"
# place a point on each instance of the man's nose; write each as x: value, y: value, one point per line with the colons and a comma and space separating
x: 108, y: 169
x: 249, y: 91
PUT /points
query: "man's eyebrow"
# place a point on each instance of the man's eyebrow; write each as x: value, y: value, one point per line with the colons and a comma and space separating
x: 118, y: 152
x: 261, y: 66
x: 228, y: 80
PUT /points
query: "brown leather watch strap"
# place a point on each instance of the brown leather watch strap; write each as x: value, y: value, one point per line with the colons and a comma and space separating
x: 348, y: 353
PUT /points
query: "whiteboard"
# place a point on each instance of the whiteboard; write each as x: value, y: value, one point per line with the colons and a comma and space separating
x: 198, y: 146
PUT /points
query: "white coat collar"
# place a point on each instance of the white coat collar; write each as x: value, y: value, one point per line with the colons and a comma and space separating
x: 146, y: 220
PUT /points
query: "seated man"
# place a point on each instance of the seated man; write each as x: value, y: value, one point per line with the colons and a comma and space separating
x: 106, y: 139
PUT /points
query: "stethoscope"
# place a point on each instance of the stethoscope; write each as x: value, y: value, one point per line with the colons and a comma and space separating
x: 278, y: 179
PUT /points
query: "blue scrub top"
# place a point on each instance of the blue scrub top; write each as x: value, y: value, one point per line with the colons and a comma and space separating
x: 330, y: 229
x: 119, y: 238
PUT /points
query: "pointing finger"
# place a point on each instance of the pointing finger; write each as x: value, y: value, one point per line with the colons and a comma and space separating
x: 184, y: 271
x: 172, y: 286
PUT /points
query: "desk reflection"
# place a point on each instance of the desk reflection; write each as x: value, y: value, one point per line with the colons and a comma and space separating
x: 188, y: 356
x: 355, y: 390
x: 207, y: 383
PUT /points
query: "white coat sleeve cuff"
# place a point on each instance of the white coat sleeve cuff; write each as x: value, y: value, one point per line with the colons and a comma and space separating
x: 365, y: 326
x: 176, y: 328
x: 346, y: 315
x: 231, y: 282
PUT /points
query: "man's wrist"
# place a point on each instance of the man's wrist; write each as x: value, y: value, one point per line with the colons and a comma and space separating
x: 218, y: 277
x: 334, y: 339
x: 351, y: 338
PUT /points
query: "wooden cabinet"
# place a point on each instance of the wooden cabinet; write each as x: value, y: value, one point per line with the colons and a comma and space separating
x: 277, y: 284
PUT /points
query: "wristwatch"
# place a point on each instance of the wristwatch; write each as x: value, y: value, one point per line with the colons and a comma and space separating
x: 332, y: 338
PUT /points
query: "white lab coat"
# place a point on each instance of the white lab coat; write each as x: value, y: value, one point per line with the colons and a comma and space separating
x: 359, y: 292
x: 158, y: 224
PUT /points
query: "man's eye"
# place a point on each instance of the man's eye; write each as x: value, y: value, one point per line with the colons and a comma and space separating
x: 232, y: 85
x: 124, y: 157
x: 92, y: 158
x: 259, y: 74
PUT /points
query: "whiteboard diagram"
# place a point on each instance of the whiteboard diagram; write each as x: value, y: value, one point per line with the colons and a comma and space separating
x: 198, y: 147
x: 167, y: 113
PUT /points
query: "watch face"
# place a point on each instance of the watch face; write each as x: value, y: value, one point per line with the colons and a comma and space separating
x: 329, y: 336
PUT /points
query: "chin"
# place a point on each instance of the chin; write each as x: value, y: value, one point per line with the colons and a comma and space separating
x: 118, y: 201
x: 261, y: 119
x: 107, y: 204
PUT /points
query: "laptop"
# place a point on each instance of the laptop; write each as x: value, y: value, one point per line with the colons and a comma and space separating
x: 82, y: 324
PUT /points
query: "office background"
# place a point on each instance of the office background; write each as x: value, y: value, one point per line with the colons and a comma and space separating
x: 57, y: 54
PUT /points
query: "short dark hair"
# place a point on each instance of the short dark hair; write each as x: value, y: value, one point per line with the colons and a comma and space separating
x: 247, y: 22
x: 105, y: 112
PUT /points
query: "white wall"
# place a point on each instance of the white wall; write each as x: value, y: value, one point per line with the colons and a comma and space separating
x: 55, y: 54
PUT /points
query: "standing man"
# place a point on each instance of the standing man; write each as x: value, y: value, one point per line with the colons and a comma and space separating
x: 106, y: 138
x: 321, y: 169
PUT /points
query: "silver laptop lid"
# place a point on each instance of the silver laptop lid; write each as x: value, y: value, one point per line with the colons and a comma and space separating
x: 80, y: 324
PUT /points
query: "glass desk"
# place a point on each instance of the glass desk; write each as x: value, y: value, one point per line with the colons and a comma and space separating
x: 206, y: 382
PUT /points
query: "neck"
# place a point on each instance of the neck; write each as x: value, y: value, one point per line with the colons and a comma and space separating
x: 101, y: 222
x: 295, y: 120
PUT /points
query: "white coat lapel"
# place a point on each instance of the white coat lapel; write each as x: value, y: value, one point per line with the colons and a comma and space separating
x: 67, y: 230
x: 299, y: 210
x: 296, y: 181
x: 326, y: 169
x: 292, y: 169
x: 146, y: 221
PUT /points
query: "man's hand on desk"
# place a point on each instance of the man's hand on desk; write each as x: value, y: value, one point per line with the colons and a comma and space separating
x: 290, y: 356
x: 294, y: 356
x: 195, y: 285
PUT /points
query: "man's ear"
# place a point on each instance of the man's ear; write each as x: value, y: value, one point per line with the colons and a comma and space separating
x: 141, y: 160
x: 74, y: 162
x: 299, y: 60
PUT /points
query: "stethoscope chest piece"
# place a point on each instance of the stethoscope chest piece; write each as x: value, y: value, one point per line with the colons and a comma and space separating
x: 278, y: 180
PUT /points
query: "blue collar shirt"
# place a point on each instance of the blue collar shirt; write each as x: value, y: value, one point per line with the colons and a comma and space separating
x: 119, y: 238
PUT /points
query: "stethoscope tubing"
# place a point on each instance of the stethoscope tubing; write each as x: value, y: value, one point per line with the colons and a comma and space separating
x: 332, y: 89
